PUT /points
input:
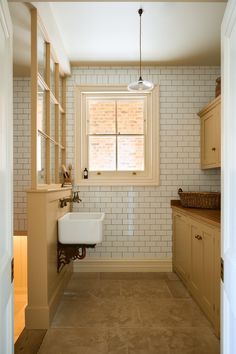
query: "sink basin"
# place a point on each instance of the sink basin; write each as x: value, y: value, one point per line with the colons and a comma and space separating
x: 81, y: 228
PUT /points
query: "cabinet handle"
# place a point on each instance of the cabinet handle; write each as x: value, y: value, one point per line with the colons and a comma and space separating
x: 198, y: 237
x: 213, y: 149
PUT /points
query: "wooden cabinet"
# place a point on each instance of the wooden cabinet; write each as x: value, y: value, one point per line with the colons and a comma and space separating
x: 210, y: 134
x: 196, y: 259
x: 203, y: 260
x: 181, y: 248
x: 196, y: 269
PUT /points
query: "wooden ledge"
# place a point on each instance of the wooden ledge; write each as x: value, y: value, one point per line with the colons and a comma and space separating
x: 49, y: 188
x: 211, y: 216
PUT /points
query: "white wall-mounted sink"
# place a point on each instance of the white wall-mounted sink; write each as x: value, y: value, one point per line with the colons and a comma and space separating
x: 81, y: 228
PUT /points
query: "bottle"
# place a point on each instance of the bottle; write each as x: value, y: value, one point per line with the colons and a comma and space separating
x: 85, y: 173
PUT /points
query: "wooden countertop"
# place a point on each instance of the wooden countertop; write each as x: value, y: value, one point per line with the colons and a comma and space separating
x: 211, y: 216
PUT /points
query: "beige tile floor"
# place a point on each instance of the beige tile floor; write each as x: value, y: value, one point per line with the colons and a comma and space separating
x: 128, y: 313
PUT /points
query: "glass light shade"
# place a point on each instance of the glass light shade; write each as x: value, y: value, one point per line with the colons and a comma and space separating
x: 140, y: 85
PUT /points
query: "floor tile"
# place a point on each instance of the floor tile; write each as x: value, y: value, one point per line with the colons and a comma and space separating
x: 128, y: 313
x: 85, y: 275
x: 94, y: 312
x: 142, y: 289
x: 172, y: 313
x: 162, y: 341
x: 172, y: 276
x: 86, y: 288
x: 189, y: 341
x: 29, y: 341
x: 177, y: 289
x: 135, y: 341
x: 133, y: 275
x: 74, y: 341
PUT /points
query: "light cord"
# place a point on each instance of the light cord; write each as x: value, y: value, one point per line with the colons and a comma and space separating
x: 140, y: 11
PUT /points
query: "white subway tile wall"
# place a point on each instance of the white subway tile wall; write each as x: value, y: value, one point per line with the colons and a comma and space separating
x: 138, y: 219
x: 21, y: 150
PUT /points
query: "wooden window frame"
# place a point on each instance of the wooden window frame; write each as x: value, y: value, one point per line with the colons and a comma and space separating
x: 150, y: 175
x: 59, y: 142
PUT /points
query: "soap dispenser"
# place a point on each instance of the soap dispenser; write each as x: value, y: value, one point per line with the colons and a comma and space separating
x: 85, y: 173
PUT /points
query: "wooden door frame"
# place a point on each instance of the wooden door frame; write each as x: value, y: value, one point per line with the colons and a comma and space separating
x: 228, y: 129
x: 6, y: 183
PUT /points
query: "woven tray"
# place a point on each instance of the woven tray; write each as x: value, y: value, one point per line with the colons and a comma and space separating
x: 202, y: 200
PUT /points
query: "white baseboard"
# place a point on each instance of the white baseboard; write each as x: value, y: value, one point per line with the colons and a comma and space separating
x: 108, y: 265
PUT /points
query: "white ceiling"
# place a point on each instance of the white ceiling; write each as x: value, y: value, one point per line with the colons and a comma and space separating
x: 21, y: 39
x: 184, y: 33
x: 172, y: 32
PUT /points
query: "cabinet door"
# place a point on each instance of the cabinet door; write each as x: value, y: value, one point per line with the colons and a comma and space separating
x: 217, y: 282
x: 196, y: 272
x: 210, y: 138
x: 196, y: 258
x: 202, y: 277
x: 181, y: 251
x: 218, y: 134
x: 208, y: 276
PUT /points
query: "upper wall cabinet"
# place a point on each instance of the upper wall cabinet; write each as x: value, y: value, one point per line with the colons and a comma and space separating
x: 210, y: 134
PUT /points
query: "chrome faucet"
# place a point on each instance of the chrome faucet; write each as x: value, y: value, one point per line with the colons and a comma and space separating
x: 74, y: 199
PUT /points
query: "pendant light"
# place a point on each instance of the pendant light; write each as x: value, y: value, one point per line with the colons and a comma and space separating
x: 140, y: 85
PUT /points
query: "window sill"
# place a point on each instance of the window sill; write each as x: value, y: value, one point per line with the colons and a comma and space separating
x: 109, y: 182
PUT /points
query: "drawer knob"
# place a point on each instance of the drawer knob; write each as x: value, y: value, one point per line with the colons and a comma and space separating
x: 213, y: 149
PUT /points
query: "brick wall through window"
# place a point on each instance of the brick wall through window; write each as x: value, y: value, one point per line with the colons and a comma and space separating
x: 116, y: 134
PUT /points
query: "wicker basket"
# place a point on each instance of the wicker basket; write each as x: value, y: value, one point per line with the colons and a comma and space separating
x: 203, y: 200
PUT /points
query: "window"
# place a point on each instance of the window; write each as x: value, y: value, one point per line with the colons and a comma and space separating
x: 115, y: 130
x: 117, y: 136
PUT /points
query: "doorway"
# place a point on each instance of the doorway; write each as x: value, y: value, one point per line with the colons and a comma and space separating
x: 20, y: 283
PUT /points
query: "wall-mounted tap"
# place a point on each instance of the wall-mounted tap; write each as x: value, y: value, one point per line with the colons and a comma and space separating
x: 73, y: 199
x: 76, y: 198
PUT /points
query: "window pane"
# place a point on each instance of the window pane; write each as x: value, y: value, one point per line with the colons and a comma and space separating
x: 60, y: 90
x: 41, y: 54
x: 102, y: 153
x: 41, y: 107
x: 41, y: 156
x: 101, y: 117
x: 52, y: 163
x: 130, y: 153
x: 60, y: 128
x: 52, y: 76
x: 52, y: 122
x: 130, y: 117
x: 59, y: 164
